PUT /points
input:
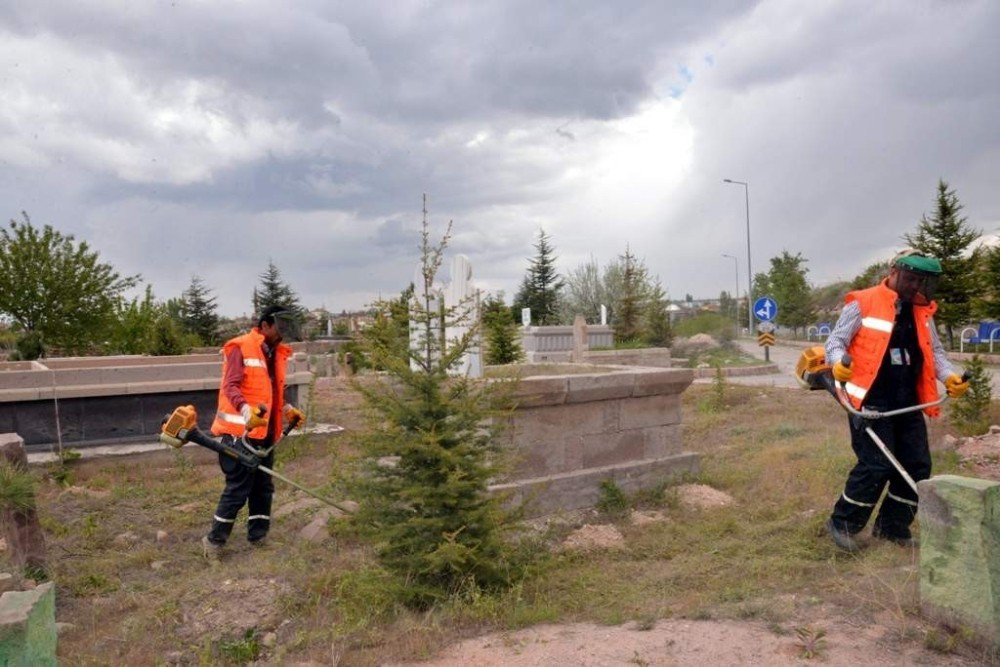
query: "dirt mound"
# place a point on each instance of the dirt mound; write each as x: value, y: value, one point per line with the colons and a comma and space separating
x: 234, y: 607
x: 587, y: 538
x: 983, y: 453
x: 700, y: 496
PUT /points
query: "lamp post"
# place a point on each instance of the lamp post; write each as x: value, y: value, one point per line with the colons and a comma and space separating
x: 736, y: 296
x: 746, y: 191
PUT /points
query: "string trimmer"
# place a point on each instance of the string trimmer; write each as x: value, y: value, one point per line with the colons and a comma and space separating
x: 181, y: 427
x: 813, y: 372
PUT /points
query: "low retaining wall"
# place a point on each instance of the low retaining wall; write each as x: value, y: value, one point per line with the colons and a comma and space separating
x: 554, y: 344
x: 28, y: 627
x: 572, y: 432
x: 114, y: 399
x: 960, y: 553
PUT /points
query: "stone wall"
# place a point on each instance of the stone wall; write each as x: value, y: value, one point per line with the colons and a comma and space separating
x: 114, y: 399
x: 569, y: 433
x: 555, y: 343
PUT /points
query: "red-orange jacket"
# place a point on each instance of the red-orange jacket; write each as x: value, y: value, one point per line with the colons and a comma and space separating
x: 867, y: 348
x: 255, y: 387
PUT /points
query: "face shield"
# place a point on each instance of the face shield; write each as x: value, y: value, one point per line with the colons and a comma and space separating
x: 915, y: 286
x: 287, y: 325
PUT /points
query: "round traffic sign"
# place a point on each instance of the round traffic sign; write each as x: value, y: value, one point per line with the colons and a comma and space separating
x: 765, y: 309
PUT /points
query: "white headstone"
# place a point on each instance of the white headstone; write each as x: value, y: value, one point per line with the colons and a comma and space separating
x: 604, y: 315
x: 526, y: 317
x: 459, y: 294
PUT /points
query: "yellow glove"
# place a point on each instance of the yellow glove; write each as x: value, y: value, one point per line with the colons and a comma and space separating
x: 956, y: 386
x: 253, y: 418
x: 294, y: 416
x: 842, y: 373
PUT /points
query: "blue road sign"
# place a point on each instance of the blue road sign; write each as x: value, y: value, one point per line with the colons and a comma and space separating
x: 765, y: 309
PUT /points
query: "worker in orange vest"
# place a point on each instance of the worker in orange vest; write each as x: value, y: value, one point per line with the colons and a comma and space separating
x: 896, y: 361
x: 253, y: 375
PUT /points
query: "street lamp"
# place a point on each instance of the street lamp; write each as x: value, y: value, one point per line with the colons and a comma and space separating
x: 746, y: 191
x: 736, y: 296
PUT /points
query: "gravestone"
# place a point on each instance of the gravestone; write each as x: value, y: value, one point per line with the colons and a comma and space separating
x: 21, y: 529
x: 580, y: 345
x: 459, y: 297
x: 960, y: 553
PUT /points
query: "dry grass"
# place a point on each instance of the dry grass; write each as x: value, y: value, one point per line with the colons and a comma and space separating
x: 781, y: 454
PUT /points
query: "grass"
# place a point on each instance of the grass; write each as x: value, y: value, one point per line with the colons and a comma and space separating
x: 783, y: 456
x: 725, y: 355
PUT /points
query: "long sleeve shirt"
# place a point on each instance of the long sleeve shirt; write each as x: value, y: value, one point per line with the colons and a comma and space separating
x: 850, y: 321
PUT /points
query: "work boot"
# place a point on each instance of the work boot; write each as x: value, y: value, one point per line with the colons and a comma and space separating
x: 907, y: 541
x: 259, y: 543
x: 842, y: 538
x: 211, y: 550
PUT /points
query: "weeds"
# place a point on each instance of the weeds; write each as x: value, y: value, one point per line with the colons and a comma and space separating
x: 242, y: 650
x: 17, y: 488
x: 812, y: 642
x: 612, y: 501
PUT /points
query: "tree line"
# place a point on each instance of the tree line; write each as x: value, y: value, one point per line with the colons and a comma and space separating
x: 56, y: 295
x: 969, y: 288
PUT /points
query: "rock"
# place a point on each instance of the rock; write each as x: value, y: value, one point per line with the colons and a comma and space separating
x: 949, y: 441
x: 702, y: 340
x: 7, y: 582
x: 349, y: 505
x: 29, y: 585
x: 295, y: 507
x: 64, y: 627
x: 158, y: 564
x: 316, y: 531
x: 269, y: 640
x: 126, y: 539
x: 190, y: 507
x: 994, y: 429
x: 162, y: 536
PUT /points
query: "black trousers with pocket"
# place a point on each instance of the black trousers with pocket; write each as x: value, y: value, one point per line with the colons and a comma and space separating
x: 906, y: 437
x: 244, y: 486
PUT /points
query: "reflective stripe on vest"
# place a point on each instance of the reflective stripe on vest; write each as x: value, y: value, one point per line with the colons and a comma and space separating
x: 231, y: 418
x: 877, y: 324
x: 256, y: 386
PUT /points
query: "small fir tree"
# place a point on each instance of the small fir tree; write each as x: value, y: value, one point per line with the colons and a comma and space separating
x: 948, y: 236
x: 628, y: 314
x: 198, y: 311
x: 274, y: 291
x: 659, y: 331
x: 503, y: 345
x: 428, y: 511
x: 971, y: 413
x: 541, y: 288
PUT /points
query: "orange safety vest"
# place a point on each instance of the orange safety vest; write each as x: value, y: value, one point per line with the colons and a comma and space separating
x: 867, y: 348
x: 255, y: 386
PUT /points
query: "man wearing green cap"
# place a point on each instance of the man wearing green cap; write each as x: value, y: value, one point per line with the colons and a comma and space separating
x: 896, y: 361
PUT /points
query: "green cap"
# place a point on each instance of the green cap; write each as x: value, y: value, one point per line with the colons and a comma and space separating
x: 921, y: 264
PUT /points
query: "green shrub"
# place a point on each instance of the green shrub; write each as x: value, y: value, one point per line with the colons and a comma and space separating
x: 970, y: 414
x: 17, y: 488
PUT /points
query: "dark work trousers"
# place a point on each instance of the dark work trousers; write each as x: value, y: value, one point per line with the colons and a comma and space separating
x: 244, y: 486
x: 906, y: 437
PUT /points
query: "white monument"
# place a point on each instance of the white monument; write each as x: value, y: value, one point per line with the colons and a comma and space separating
x: 460, y: 300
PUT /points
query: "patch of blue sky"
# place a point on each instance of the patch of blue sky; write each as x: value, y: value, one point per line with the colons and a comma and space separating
x: 686, y: 77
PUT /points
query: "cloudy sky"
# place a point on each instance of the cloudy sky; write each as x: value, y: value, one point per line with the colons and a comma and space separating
x: 201, y: 137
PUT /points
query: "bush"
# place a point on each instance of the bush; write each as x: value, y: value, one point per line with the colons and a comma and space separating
x: 714, y: 324
x: 971, y: 413
x: 29, y: 346
x: 17, y: 488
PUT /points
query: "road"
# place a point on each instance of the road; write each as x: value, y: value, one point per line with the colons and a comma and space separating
x: 785, y: 356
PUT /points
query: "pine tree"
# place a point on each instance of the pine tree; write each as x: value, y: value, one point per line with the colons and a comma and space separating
x: 659, y: 332
x: 274, y: 291
x: 988, y: 305
x: 198, y: 311
x: 433, y: 523
x: 627, y: 324
x: 503, y: 346
x: 971, y: 412
x: 541, y: 287
x: 947, y: 237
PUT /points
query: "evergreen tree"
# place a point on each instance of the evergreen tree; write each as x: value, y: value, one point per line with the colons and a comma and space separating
x: 971, y: 412
x: 55, y: 289
x: 871, y: 276
x: 658, y: 330
x: 274, y: 291
x: 788, y: 286
x: 628, y: 315
x: 503, y: 345
x: 198, y: 311
x: 947, y: 236
x: 433, y: 523
x: 988, y: 306
x: 541, y: 287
